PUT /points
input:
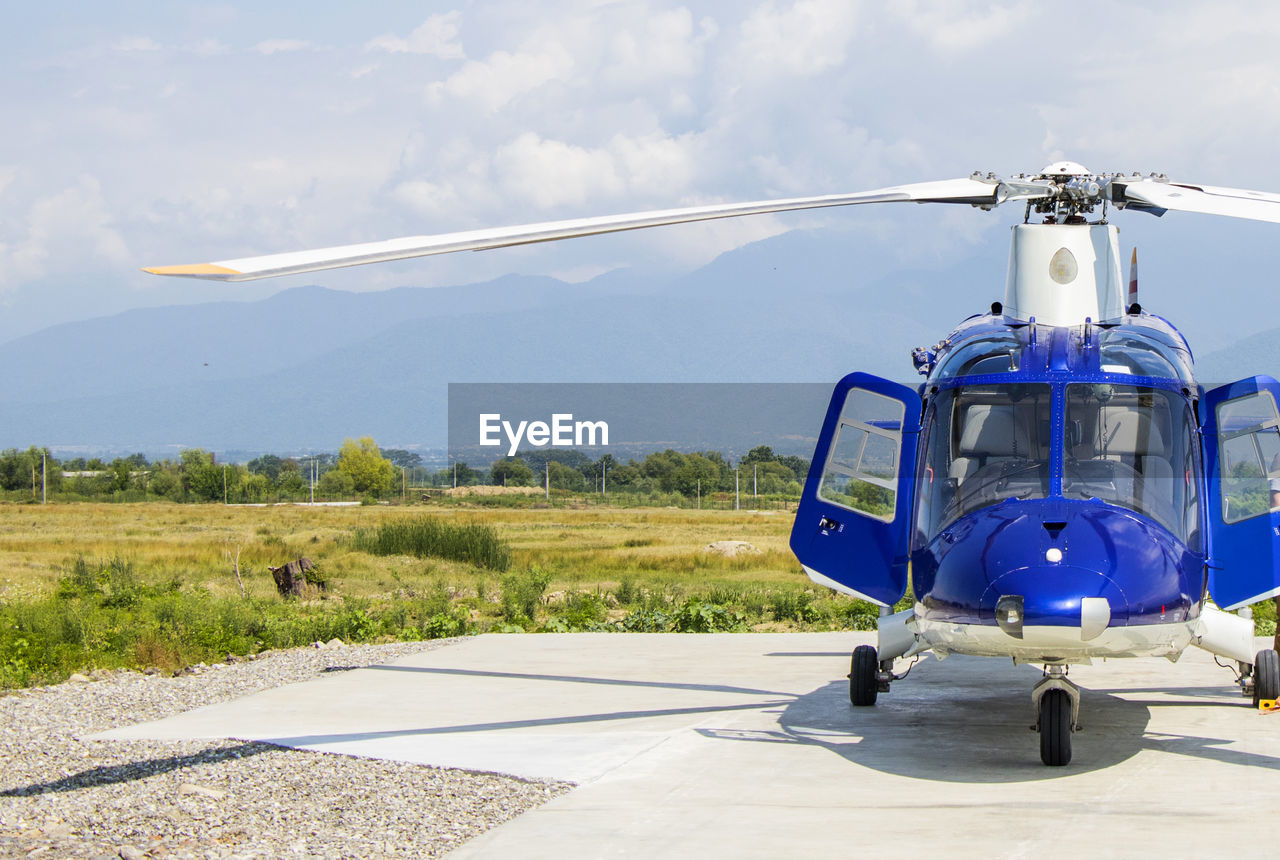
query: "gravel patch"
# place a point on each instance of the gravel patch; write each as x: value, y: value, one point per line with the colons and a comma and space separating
x: 64, y: 796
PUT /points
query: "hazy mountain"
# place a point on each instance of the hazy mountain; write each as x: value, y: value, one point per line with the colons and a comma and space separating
x: 1256, y: 355
x: 308, y: 366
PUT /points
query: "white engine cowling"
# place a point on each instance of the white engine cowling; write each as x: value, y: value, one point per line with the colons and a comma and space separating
x: 1062, y: 273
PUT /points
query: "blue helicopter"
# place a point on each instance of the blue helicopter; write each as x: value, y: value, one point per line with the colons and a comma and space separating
x: 1058, y: 489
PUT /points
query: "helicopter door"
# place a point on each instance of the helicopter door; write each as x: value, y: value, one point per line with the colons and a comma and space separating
x: 1241, y: 427
x: 851, y: 527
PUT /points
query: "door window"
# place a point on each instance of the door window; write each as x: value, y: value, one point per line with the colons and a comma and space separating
x: 861, y: 472
x: 1249, y: 445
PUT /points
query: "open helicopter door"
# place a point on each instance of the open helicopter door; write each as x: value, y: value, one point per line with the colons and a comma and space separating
x: 851, y: 530
x: 1241, y: 427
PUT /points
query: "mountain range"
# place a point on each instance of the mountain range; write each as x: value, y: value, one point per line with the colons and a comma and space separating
x: 308, y: 366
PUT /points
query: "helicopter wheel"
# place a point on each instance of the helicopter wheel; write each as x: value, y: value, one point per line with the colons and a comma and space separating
x: 863, y: 684
x: 1055, y: 728
x: 1266, y: 676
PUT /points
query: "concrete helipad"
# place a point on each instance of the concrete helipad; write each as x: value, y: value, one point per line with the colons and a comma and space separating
x: 745, y: 745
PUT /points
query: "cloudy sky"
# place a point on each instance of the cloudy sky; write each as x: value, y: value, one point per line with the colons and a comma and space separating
x: 147, y: 133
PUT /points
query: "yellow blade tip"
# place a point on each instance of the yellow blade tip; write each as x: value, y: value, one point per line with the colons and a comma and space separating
x: 192, y: 269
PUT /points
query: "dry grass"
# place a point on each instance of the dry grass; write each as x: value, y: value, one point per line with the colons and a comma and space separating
x: 596, y: 547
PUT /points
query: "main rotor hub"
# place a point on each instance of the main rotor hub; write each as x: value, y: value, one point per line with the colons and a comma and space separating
x: 1065, y: 168
x: 1066, y: 191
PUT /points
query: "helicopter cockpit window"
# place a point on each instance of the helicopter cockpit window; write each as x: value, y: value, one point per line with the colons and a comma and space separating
x: 1123, y: 353
x: 998, y: 354
x: 1133, y: 446
x: 1249, y: 447
x: 983, y: 444
x: 861, y: 472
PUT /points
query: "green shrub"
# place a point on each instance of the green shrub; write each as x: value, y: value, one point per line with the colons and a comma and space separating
x: 430, y: 537
x: 698, y: 617
x: 628, y: 593
x: 580, y: 610
x: 521, y: 594
x: 445, y: 625
x: 861, y: 615
x: 80, y: 581
x: 794, y: 606
x: 647, y: 621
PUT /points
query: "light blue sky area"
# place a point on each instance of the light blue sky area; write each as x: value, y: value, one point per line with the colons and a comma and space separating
x: 157, y: 133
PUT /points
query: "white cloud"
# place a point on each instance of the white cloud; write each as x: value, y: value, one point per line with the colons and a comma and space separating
x: 551, y: 173
x: 666, y: 47
x: 62, y: 231
x: 280, y: 46
x: 952, y: 26
x: 655, y: 162
x: 436, y: 36
x: 207, y: 48
x: 805, y: 38
x: 130, y: 44
x: 427, y: 197
x: 504, y: 76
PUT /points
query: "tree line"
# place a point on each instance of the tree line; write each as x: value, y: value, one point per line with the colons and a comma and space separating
x: 701, y: 472
x: 360, y: 469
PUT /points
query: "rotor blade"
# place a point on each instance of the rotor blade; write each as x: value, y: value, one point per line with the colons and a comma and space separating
x: 1206, y: 199
x: 976, y: 192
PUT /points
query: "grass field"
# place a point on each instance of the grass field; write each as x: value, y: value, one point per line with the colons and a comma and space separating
x: 581, y: 548
x: 85, y: 586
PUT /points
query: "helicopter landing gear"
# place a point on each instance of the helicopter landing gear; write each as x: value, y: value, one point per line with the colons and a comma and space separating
x: 1057, y: 705
x: 868, y: 676
x: 863, y: 683
x: 1265, y: 676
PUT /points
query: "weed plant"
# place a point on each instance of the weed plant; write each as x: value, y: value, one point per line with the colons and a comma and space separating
x: 521, y: 595
x: 432, y: 537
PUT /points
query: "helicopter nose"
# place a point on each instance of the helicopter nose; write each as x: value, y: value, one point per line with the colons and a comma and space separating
x: 1054, y: 595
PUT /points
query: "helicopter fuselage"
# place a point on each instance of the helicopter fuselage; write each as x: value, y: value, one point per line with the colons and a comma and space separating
x: 1048, y: 488
x: 1059, y: 481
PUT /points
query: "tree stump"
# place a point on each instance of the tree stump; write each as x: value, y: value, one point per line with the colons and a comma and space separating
x: 291, y: 579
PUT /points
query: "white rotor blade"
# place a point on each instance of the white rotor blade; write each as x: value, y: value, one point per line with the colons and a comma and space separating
x: 1207, y: 199
x: 984, y: 192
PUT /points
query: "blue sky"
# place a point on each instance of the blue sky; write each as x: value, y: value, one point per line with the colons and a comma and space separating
x: 144, y: 133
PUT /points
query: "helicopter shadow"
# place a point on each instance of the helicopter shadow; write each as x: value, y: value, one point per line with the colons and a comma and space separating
x: 971, y: 726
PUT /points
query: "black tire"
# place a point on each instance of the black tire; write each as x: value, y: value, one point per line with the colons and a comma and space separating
x: 1055, y: 728
x: 1266, y: 676
x: 863, y: 685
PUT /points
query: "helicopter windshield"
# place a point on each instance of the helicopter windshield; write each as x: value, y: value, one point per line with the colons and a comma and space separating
x: 1122, y: 352
x: 1132, y: 446
x: 994, y: 354
x: 985, y: 443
